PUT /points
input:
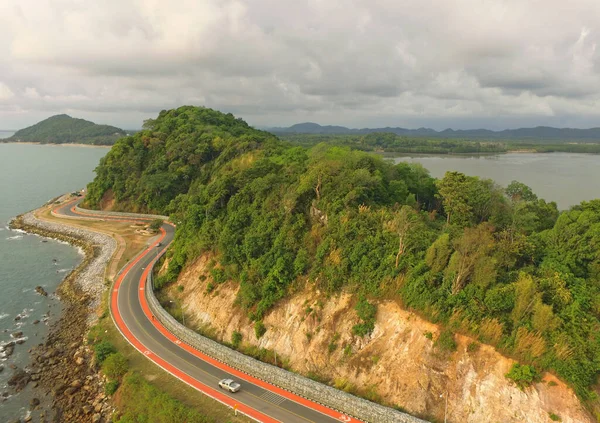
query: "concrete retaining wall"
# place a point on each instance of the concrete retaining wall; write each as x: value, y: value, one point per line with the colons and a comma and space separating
x: 317, y: 392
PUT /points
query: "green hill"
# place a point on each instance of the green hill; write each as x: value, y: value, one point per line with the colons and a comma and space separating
x: 63, y: 129
x: 498, y: 264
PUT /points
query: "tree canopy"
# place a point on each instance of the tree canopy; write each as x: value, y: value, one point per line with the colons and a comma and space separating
x: 497, y: 264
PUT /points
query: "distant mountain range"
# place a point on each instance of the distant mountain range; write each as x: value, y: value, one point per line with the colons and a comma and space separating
x: 63, y: 129
x: 537, y: 133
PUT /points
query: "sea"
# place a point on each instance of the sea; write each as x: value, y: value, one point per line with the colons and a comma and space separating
x: 31, y: 175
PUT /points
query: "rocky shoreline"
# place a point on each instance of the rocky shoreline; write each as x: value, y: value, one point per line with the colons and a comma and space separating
x: 62, y: 369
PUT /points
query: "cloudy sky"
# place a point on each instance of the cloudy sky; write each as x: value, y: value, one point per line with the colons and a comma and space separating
x: 365, y: 63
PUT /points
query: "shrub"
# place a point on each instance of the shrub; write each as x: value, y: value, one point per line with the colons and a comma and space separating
x: 366, y: 312
x: 218, y: 275
x: 259, y: 329
x: 111, y: 387
x: 445, y: 342
x: 102, y: 350
x: 428, y: 335
x: 348, y: 350
x: 333, y: 344
x: 155, y: 224
x: 554, y: 417
x: 523, y: 375
x: 236, y: 339
x: 114, y: 366
x: 180, y: 288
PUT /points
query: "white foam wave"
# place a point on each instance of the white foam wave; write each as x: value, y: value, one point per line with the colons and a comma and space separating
x: 21, y: 231
x: 14, y: 237
x: 3, y: 316
x: 63, y: 270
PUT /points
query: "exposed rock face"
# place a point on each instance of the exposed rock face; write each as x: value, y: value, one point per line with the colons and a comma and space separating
x: 397, y: 362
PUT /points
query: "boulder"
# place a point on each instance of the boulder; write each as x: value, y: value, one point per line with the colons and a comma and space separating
x: 41, y: 291
x: 19, y: 379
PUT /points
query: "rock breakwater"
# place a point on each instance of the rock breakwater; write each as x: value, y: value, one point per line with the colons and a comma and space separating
x: 62, y: 369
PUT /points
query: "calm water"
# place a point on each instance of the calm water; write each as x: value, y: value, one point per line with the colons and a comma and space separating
x: 565, y: 178
x: 30, y: 175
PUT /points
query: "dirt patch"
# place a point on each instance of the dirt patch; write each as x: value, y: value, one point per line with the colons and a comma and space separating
x: 108, y: 200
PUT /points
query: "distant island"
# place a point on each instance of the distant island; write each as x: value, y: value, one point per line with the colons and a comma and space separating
x: 538, y: 133
x: 64, y: 129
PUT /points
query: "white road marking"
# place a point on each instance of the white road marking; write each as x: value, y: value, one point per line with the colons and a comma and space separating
x: 273, y: 398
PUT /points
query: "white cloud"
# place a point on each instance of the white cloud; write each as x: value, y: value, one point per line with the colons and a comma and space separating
x: 465, y: 63
x: 5, y: 92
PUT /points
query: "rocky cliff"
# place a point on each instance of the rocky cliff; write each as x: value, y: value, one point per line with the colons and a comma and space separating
x: 398, y: 364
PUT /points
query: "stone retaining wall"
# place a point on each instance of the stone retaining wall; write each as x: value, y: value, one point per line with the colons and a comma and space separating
x: 120, y: 214
x: 300, y: 385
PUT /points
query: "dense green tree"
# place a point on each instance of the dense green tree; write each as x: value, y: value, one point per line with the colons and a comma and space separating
x: 501, y: 265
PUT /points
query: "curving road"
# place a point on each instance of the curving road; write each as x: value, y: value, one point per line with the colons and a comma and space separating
x: 257, y: 399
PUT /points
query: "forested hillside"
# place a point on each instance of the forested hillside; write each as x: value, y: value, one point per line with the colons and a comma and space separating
x: 63, y: 129
x: 497, y: 263
x: 392, y: 143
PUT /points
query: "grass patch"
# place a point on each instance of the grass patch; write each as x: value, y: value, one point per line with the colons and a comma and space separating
x: 135, y: 396
x: 473, y: 347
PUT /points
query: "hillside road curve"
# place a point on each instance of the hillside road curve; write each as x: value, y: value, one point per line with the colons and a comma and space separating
x: 257, y: 399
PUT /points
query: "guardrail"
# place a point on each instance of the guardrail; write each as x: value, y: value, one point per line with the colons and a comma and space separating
x: 323, y: 394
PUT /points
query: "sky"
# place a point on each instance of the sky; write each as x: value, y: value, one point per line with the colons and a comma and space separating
x: 367, y: 63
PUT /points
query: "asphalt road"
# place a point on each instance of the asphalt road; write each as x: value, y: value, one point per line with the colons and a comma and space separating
x: 262, y: 403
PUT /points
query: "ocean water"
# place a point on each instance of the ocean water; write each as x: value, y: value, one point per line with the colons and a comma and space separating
x: 30, y: 175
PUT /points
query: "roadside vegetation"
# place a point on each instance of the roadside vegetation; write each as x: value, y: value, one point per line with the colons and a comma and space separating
x: 141, y: 391
x: 496, y: 263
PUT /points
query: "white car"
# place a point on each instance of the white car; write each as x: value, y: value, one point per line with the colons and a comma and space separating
x: 230, y: 385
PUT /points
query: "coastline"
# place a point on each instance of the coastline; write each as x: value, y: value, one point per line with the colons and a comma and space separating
x: 55, y: 144
x: 62, y: 369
